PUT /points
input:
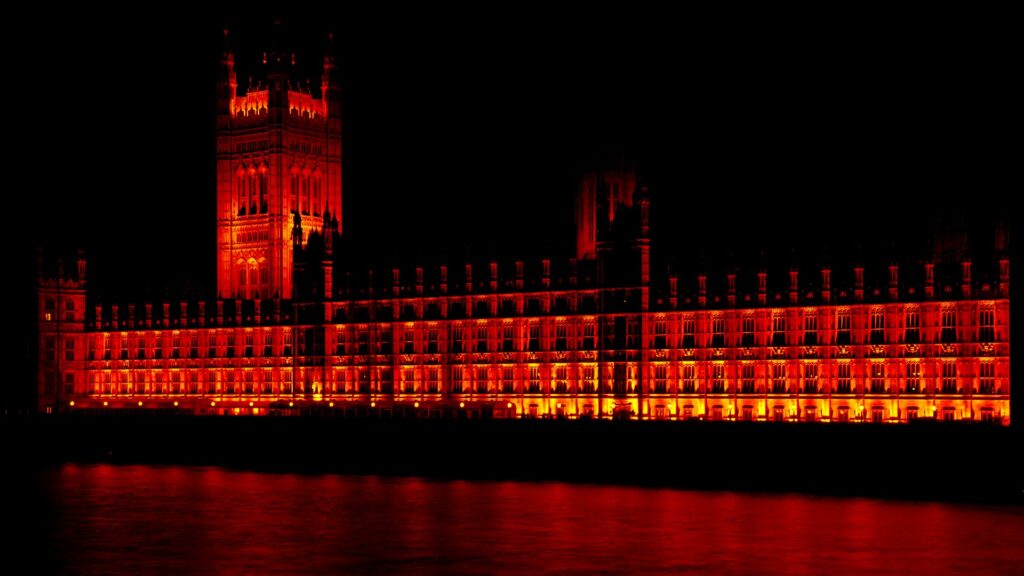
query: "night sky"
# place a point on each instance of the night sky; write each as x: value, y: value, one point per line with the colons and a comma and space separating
x: 752, y: 137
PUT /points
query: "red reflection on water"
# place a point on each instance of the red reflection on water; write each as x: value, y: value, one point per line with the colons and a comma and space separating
x: 141, y: 519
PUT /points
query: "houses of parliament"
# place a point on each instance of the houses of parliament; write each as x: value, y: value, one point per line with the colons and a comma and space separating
x: 594, y: 336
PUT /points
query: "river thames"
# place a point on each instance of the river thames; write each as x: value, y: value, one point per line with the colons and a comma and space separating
x: 115, y: 519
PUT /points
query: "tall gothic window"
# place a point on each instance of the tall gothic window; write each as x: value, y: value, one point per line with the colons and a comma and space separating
x: 264, y: 203
x: 810, y: 329
x: 843, y: 327
x: 241, y: 200
x: 315, y: 184
x: 912, y: 326
x: 304, y: 191
x: 948, y: 325
x: 877, y: 326
x: 986, y: 324
x: 293, y: 190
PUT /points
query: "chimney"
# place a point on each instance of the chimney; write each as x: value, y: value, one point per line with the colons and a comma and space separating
x: 965, y: 286
x: 469, y: 278
x: 519, y: 275
x: 731, y: 279
x: 419, y: 280
x: 673, y: 291
x: 546, y: 277
x: 149, y: 314
x: 702, y: 289
x: 762, y: 288
x: 858, y: 283
x: 494, y: 276
x: 826, y: 285
x: 929, y: 280
x: 396, y: 278
x: 794, y: 286
x: 894, y: 281
x: 1004, y: 277
x: 80, y: 261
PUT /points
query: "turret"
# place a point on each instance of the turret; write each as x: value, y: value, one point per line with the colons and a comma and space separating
x: 826, y: 285
x: 80, y: 265
x: 227, y: 84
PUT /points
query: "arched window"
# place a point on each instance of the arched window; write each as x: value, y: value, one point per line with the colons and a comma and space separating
x: 240, y: 200
x: 316, y: 192
x: 304, y: 193
x: 254, y: 278
x: 293, y: 201
x: 252, y: 192
x: 264, y: 277
x: 264, y: 204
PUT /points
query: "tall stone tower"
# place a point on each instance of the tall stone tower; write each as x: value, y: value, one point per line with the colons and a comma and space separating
x: 278, y: 154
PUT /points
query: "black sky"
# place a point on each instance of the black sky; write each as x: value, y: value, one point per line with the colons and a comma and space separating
x: 753, y: 134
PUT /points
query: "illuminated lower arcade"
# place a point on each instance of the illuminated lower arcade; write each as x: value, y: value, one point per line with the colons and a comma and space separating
x: 595, y: 336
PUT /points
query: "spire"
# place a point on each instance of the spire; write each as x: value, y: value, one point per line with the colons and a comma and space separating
x: 227, y: 61
x: 329, y: 85
x: 329, y: 231
x: 228, y: 55
x: 329, y: 54
x: 275, y: 36
x: 296, y: 230
x: 227, y: 84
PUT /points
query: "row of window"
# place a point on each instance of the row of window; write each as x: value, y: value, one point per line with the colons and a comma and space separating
x: 875, y: 414
x: 223, y: 345
x: 253, y: 189
x: 776, y: 379
x: 253, y: 277
x: 586, y: 302
x: 807, y: 334
x: 507, y: 337
x: 50, y: 310
x: 480, y: 308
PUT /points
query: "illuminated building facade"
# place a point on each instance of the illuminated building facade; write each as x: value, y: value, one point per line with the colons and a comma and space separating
x: 595, y: 336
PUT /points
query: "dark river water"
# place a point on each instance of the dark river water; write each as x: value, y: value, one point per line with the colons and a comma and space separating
x: 151, y: 519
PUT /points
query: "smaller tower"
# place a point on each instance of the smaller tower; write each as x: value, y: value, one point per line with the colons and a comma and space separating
x: 61, y: 316
x: 327, y: 263
x: 298, y: 259
x: 599, y: 203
